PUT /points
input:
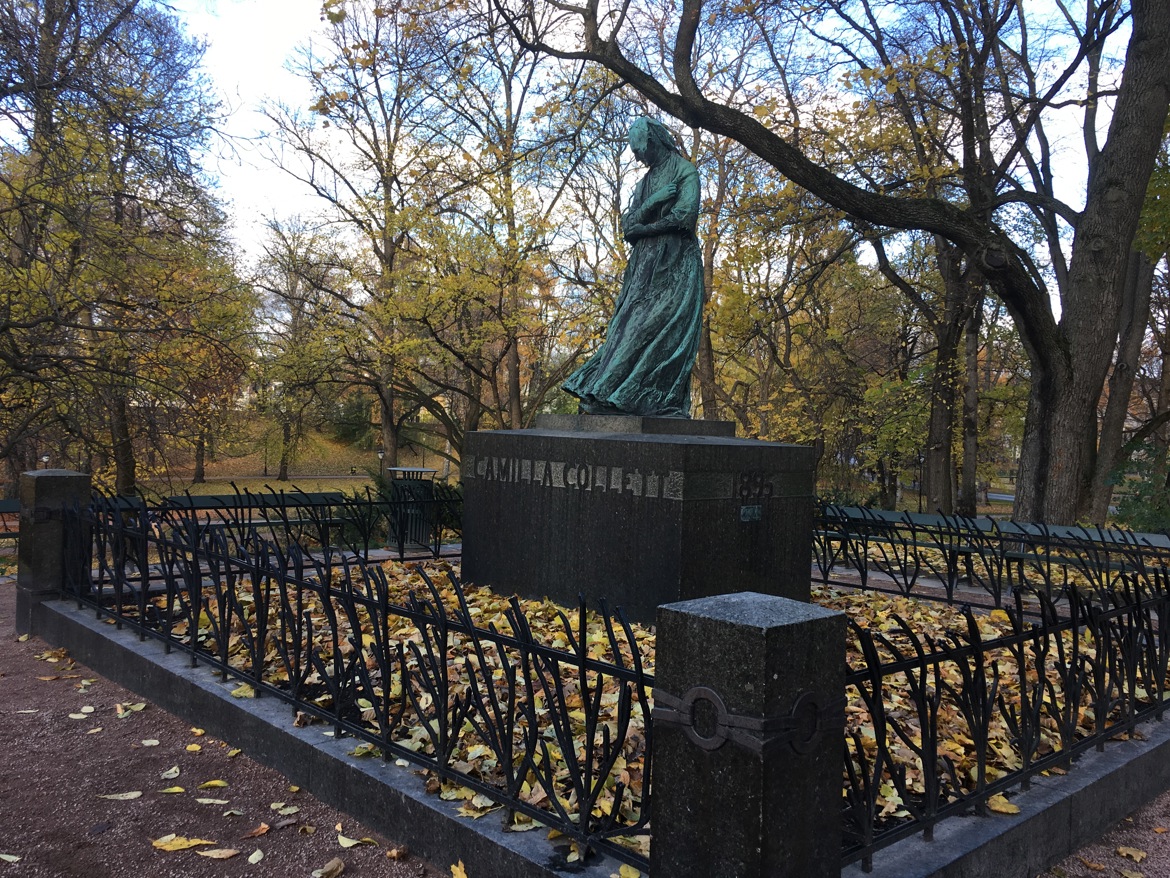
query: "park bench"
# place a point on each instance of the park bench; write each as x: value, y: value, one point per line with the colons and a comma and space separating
x: 9, y: 522
x: 991, y: 554
x: 411, y: 511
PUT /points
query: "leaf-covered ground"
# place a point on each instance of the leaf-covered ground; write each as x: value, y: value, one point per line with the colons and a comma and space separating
x: 475, y: 755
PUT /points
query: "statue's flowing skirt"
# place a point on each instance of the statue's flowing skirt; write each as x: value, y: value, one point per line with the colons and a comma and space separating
x: 644, y: 365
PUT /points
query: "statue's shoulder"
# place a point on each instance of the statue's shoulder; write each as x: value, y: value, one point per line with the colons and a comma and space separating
x: 683, y: 167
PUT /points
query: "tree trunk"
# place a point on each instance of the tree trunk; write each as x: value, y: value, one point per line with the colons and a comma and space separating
x: 200, y: 459
x: 1057, y: 465
x: 1161, y: 437
x: 125, y: 466
x: 969, y: 490
x: 515, y: 407
x: 961, y: 284
x: 285, y: 450
x: 1135, y: 317
x: 705, y: 369
x: 887, y: 485
x: 939, y: 469
x: 389, y: 430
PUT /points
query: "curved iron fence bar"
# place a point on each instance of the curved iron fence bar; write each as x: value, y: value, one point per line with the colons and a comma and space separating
x: 992, y: 556
x: 249, y: 598
x: 266, y: 606
x: 1122, y: 679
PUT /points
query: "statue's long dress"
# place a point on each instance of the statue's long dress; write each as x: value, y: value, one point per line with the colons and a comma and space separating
x: 644, y: 365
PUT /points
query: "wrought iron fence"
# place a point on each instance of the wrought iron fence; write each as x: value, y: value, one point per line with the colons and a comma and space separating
x: 940, y: 725
x: 979, y: 561
x: 556, y: 729
x: 495, y: 714
x: 405, y: 517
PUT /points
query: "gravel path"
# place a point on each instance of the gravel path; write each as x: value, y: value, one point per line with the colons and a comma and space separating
x: 64, y: 746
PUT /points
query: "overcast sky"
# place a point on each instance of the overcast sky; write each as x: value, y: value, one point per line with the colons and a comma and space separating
x: 249, y: 45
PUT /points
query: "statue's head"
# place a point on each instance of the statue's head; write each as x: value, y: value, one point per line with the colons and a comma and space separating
x: 649, y: 136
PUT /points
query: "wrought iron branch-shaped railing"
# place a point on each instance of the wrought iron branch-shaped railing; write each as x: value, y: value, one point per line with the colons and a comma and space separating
x: 547, y: 732
x: 977, y: 561
x: 942, y: 724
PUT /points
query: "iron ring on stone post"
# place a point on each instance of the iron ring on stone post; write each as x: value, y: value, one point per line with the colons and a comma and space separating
x: 686, y: 709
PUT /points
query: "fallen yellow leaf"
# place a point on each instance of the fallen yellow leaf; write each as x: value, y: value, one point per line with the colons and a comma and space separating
x: 171, y: 773
x: 193, y: 748
x: 257, y: 856
x: 1129, y: 873
x: 174, y: 842
x: 123, y: 797
x: 198, y: 733
x: 457, y: 871
x: 1000, y: 805
x: 212, y: 784
x: 173, y: 790
x: 243, y: 691
x: 1131, y: 853
x: 1096, y: 867
x: 219, y: 853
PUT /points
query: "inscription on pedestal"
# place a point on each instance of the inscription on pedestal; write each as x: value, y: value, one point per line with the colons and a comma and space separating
x: 637, y: 519
x: 666, y: 485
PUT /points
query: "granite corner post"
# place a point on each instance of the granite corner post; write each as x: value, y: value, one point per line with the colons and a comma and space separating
x: 45, y: 498
x: 748, y: 735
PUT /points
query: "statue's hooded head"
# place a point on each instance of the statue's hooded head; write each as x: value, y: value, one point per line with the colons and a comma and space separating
x: 647, y: 132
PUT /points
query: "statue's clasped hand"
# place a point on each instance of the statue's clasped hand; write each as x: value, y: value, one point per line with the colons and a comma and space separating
x: 638, y: 231
x: 666, y: 193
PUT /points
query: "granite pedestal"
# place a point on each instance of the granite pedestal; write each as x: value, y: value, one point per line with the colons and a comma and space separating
x: 638, y: 511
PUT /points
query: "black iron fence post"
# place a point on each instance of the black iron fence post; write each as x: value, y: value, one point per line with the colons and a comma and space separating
x: 748, y: 736
x: 45, y: 497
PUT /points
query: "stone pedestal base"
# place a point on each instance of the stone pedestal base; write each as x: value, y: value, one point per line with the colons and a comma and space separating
x: 638, y: 511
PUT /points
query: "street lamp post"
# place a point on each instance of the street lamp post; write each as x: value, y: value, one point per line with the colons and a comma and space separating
x: 381, y: 462
x: 921, y: 461
x: 45, y: 461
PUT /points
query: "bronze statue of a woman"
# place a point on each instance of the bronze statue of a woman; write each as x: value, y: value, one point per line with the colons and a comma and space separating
x: 644, y: 365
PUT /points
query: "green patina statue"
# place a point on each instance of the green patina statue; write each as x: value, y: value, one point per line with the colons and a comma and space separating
x: 644, y: 365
